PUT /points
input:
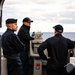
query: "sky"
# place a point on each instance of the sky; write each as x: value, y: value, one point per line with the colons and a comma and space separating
x: 44, y: 13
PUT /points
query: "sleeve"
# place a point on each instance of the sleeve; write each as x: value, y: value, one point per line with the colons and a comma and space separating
x: 41, y: 49
x: 71, y: 44
x: 17, y: 43
x: 25, y: 35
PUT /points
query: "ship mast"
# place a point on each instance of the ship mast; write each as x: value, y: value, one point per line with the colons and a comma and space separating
x: 1, y: 6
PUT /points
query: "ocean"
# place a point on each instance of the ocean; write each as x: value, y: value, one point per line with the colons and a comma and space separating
x: 70, y: 35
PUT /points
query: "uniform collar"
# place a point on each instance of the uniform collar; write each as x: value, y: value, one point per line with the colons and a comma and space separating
x: 10, y: 30
x: 26, y: 26
x: 58, y: 35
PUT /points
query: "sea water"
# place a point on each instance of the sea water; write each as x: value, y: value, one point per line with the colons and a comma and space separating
x: 70, y: 35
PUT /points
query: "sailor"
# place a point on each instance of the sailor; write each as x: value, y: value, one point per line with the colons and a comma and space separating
x: 57, y: 47
x: 24, y: 35
x: 12, y: 47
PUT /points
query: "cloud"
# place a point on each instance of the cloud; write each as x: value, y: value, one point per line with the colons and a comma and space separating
x: 68, y: 14
x: 49, y: 11
x: 67, y: 21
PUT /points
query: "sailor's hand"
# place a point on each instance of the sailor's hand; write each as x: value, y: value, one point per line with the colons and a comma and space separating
x: 48, y: 58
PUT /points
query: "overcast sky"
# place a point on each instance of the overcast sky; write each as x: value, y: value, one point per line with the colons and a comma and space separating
x: 44, y: 13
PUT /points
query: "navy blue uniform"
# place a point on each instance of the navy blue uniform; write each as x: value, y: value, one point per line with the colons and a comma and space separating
x: 12, y: 47
x: 57, y: 47
x: 25, y: 37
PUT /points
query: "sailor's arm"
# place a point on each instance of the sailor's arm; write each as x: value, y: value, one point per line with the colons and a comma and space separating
x: 71, y: 44
x: 41, y: 49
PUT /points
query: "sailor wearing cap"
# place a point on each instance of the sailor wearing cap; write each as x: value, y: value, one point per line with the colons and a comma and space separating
x: 57, y: 47
x: 25, y: 37
x: 12, y: 47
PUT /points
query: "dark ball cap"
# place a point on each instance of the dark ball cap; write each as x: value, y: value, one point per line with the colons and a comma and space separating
x: 58, y: 28
x: 27, y: 19
x: 11, y: 20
